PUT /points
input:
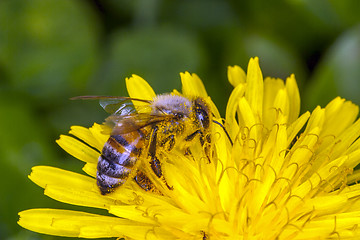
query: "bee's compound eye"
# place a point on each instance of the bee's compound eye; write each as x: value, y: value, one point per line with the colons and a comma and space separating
x: 202, y: 113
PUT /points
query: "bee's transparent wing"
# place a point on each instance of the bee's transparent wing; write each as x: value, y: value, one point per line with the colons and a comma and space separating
x: 118, y: 105
x: 125, y: 116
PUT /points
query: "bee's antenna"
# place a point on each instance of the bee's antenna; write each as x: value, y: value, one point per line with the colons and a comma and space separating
x: 227, y: 134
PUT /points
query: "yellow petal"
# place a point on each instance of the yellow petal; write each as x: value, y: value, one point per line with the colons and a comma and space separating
x: 281, y: 103
x: 70, y: 187
x: 271, y: 88
x: 354, y: 177
x: 90, y: 169
x: 134, y: 212
x: 346, y: 138
x: 327, y: 204
x: 331, y: 226
x: 78, y: 149
x: 86, y: 135
x: 80, y: 224
x: 339, y: 115
x: 236, y: 75
x: 231, y: 109
x: 255, y: 88
x: 316, y: 120
x: 294, y: 98
x: 296, y: 126
x: 100, y: 133
x: 213, y: 107
x: 248, y: 118
x: 137, y: 87
x: 192, y: 85
x: 42, y: 221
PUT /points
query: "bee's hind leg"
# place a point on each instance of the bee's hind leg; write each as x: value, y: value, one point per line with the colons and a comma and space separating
x: 156, y: 167
x: 155, y: 162
x: 145, y: 183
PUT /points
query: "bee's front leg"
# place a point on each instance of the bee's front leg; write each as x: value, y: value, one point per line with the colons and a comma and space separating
x: 202, y: 139
x: 193, y: 135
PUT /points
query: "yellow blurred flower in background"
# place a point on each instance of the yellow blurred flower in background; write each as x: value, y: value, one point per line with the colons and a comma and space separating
x: 284, y: 177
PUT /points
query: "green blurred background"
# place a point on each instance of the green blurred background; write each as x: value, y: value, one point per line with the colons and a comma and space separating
x: 53, y: 50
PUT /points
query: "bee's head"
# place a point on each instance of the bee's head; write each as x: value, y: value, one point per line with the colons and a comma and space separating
x: 202, y: 113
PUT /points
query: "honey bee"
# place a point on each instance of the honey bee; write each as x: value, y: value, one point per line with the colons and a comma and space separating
x: 141, y: 133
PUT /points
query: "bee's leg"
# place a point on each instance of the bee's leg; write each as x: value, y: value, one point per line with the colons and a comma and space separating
x: 169, y: 139
x: 193, y: 135
x: 145, y: 183
x: 202, y: 139
x: 156, y: 167
x: 205, y: 236
x: 207, y: 147
x: 189, y: 153
x: 153, y: 142
x: 154, y: 162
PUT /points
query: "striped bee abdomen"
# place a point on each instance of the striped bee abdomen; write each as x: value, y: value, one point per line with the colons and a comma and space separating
x: 117, y: 160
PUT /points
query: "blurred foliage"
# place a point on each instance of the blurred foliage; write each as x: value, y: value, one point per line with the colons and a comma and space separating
x: 53, y: 50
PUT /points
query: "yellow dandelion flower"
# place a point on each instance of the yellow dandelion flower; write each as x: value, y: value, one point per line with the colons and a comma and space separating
x: 283, y: 176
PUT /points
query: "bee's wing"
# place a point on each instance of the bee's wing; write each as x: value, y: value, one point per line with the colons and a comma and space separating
x: 117, y: 105
x: 125, y: 116
x: 121, y: 124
